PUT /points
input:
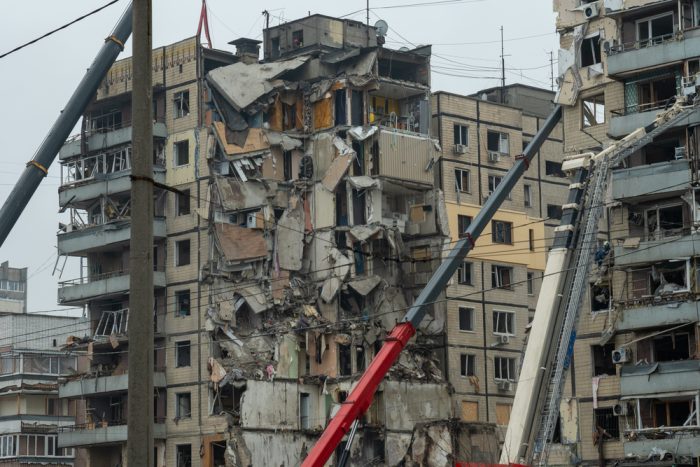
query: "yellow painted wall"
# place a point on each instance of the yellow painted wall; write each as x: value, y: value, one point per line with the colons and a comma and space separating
x: 488, y: 251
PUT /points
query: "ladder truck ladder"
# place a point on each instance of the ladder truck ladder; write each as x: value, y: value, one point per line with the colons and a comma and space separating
x: 587, y: 241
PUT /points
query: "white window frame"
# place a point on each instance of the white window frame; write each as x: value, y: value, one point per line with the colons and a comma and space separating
x: 503, y: 142
x: 459, y: 126
x: 510, y: 322
x: 467, y: 357
x: 510, y: 366
x: 459, y: 178
x: 527, y: 194
x: 496, y: 271
x: 583, y: 44
x: 461, y: 276
x: 181, y: 106
x: 648, y: 20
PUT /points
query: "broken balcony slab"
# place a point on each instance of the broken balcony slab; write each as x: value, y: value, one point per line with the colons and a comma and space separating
x: 91, y: 385
x: 680, y: 445
x: 653, y: 251
x: 339, y: 166
x: 661, y: 312
x: 253, y: 296
x: 659, y: 378
x: 365, y: 285
x: 255, y: 141
x: 239, y: 244
x: 108, y: 236
x: 242, y: 84
x: 234, y: 195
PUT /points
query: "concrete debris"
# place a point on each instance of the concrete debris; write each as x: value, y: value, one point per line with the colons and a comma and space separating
x: 240, y: 244
x: 360, y: 133
x: 280, y: 139
x: 290, y: 236
x: 330, y: 289
x: 339, y: 166
x: 237, y: 452
x: 365, y: 285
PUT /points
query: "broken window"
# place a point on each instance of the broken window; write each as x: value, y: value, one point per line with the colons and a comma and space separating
x: 670, y: 347
x: 467, y: 364
x: 106, y: 120
x: 112, y: 322
x: 590, y: 51
x: 501, y: 277
x: 504, y: 323
x: 651, y: 91
x: 182, y: 354
x: 183, y: 455
x: 304, y: 410
x: 664, y: 222
x: 182, y: 302
x: 183, y: 405
x: 298, y: 39
x: 672, y: 413
x: 466, y: 318
x: 182, y: 202
x: 527, y: 196
x: 602, y: 360
x: 554, y: 211
x: 344, y: 360
x: 462, y: 181
x: 504, y: 368
x: 463, y: 223
x: 360, y: 358
x: 497, y: 142
x: 182, y: 252
x: 531, y: 283
x: 287, y: 163
x: 356, y: 108
x: 655, y: 29
x: 593, y: 111
x: 181, y: 153
x: 605, y: 419
x: 464, y: 273
x: 461, y: 135
x: 341, y: 107
x: 182, y: 104
x: 600, y: 298
x: 501, y: 232
x: 494, y: 181
x: 554, y: 169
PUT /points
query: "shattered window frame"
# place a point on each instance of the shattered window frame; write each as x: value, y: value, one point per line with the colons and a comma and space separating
x: 502, y: 232
x: 461, y: 134
x: 467, y: 365
x: 502, y: 143
x: 181, y: 101
x: 501, y: 277
x: 182, y: 349
x: 182, y: 202
x: 494, y: 181
x: 183, y: 405
x: 460, y: 176
x: 183, y: 455
x: 181, y: 153
x: 592, y: 111
x: 590, y: 50
x: 463, y: 223
x: 465, y: 318
x: 553, y: 169
x: 606, y: 419
x: 504, y: 369
x: 503, y: 323
x: 464, y: 273
x: 554, y: 211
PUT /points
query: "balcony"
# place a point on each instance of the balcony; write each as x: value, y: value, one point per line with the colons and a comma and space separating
x: 662, y: 50
x: 657, y: 312
x: 658, y: 378
x: 624, y: 122
x: 82, y: 239
x: 662, y: 179
x: 405, y: 156
x: 681, y: 445
x: 79, y: 291
x: 101, y: 433
x: 88, y: 177
x: 101, y: 139
x: 103, y: 385
x: 655, y: 251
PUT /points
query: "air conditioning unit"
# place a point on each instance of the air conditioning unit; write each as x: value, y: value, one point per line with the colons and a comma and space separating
x: 504, y: 385
x: 621, y: 355
x: 620, y: 409
x: 590, y: 10
x: 502, y: 339
x: 494, y: 156
x: 460, y: 149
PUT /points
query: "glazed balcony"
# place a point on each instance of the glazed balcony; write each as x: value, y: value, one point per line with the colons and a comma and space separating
x: 79, y: 291
x: 681, y: 245
x: 104, y: 385
x: 112, y: 432
x: 103, y: 138
x: 80, y: 239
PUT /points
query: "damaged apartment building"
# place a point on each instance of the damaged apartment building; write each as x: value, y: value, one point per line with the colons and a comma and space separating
x: 301, y: 218
x: 633, y: 390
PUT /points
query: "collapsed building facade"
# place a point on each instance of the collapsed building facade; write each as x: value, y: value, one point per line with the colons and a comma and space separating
x: 632, y: 391
x: 13, y: 289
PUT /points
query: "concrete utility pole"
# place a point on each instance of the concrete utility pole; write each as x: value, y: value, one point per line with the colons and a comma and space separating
x: 140, y: 398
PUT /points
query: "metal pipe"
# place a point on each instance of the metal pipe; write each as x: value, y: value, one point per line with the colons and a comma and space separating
x: 38, y: 167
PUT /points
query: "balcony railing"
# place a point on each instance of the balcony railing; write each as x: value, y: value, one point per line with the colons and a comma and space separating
x: 636, y: 45
x: 101, y: 165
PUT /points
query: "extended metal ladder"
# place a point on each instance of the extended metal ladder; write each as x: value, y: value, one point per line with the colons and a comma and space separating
x: 584, y: 249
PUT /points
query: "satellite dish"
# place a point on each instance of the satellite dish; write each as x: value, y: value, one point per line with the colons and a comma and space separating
x: 404, y: 49
x: 382, y: 27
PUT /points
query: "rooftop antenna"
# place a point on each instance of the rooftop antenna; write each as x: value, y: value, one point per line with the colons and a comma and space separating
x: 367, y: 12
x: 204, y: 20
x: 503, y: 71
x: 551, y: 69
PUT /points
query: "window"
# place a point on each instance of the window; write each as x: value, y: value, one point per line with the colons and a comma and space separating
x: 182, y: 203
x: 344, y: 360
x: 590, y: 51
x: 504, y: 322
x: 304, y: 408
x: 501, y: 277
x: 183, y: 405
x: 461, y: 134
x: 527, y: 195
x: 497, y: 142
x: 593, y: 111
x: 602, y: 360
x: 504, y: 368
x: 360, y: 358
x: 554, y: 211
x: 182, y: 302
x: 655, y: 29
x: 463, y: 223
x: 182, y: 354
x: 553, y: 168
x: 182, y: 104
x: 287, y: 162
x: 502, y: 232
x: 181, y: 152
x: 297, y: 39
x: 466, y: 318
x: 470, y: 411
x: 531, y: 238
x: 605, y: 419
x: 182, y: 253
x: 600, y: 298
x: 183, y: 455
x: 462, y: 181
x: 531, y: 283
x: 464, y: 273
x: 467, y: 364
x: 494, y: 181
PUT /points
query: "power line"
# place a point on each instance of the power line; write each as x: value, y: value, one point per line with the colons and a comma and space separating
x: 80, y: 18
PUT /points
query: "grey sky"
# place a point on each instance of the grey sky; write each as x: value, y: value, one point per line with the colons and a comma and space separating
x: 38, y: 80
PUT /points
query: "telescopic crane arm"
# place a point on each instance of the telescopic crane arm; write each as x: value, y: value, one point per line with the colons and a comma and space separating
x: 360, y: 398
x: 38, y: 167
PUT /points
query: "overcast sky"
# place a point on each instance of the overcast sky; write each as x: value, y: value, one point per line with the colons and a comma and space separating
x: 38, y: 80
